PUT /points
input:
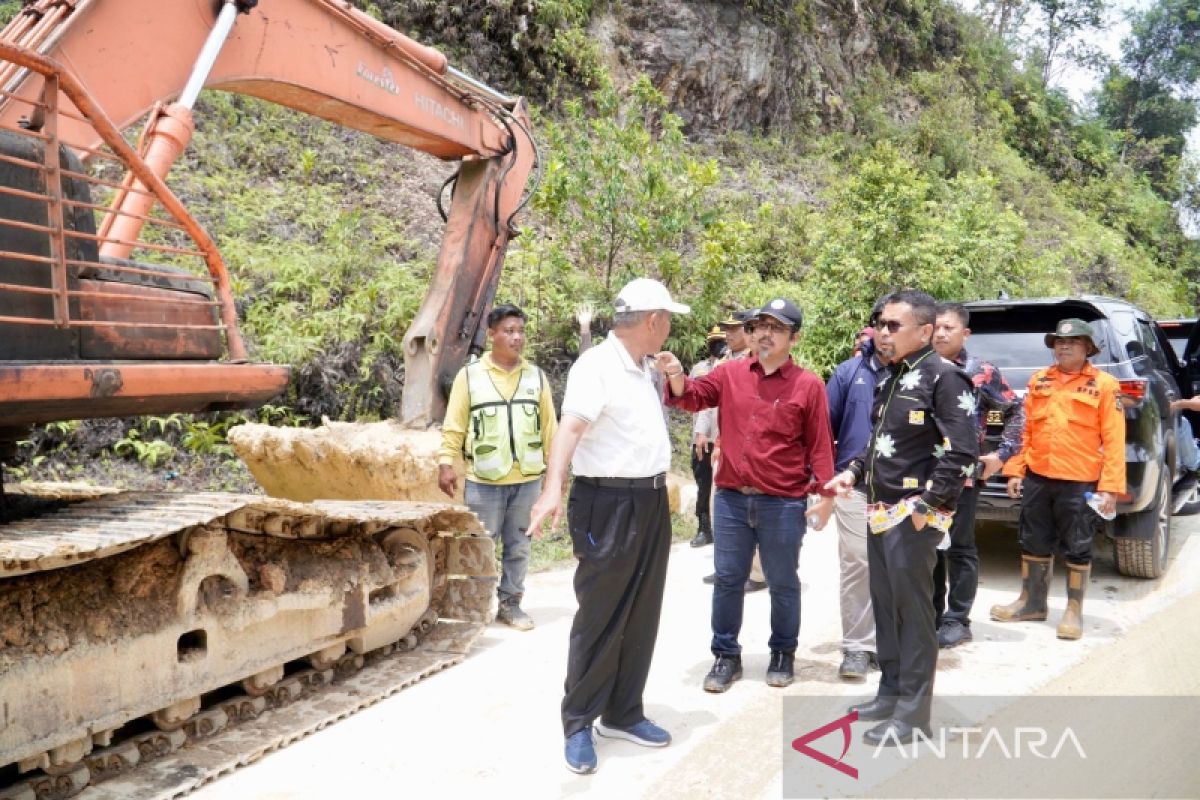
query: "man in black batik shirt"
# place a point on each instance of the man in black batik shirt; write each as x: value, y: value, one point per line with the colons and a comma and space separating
x: 923, y: 446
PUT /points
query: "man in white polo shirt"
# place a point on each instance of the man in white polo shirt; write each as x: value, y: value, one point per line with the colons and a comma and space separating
x: 614, y: 436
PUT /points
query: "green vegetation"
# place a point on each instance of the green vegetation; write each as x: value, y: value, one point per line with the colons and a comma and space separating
x: 949, y: 168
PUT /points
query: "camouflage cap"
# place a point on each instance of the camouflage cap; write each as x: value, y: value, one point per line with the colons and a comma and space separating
x: 1074, y: 328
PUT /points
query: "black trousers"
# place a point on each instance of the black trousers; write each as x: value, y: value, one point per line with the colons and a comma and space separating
x: 1056, y: 519
x: 621, y: 538
x: 959, y: 563
x: 901, y: 561
x: 702, y: 471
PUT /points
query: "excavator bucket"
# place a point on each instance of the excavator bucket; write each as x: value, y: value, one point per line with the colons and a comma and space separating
x: 136, y: 629
x: 341, y: 460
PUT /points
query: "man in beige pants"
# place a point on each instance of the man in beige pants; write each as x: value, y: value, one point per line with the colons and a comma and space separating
x: 851, y: 392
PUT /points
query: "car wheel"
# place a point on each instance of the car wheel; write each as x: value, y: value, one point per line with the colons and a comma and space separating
x: 1141, y: 547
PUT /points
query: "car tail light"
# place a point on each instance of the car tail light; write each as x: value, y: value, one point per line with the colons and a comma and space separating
x: 1133, y: 392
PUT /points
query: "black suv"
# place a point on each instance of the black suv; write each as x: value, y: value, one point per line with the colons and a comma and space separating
x: 1134, y: 350
x: 1185, y: 341
x: 1178, y: 332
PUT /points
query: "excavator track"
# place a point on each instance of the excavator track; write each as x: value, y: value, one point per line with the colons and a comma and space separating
x: 150, y: 643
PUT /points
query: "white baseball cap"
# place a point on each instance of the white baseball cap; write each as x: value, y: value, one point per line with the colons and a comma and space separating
x: 647, y: 294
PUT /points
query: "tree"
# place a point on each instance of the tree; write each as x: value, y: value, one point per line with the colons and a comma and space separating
x: 1164, y: 46
x: 1064, y: 21
x: 1153, y: 95
x: 1005, y: 17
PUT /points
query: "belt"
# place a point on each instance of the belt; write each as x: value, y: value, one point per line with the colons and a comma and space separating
x: 749, y: 490
x: 655, y: 482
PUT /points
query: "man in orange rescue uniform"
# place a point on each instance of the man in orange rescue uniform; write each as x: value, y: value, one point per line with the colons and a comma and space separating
x: 1073, y: 444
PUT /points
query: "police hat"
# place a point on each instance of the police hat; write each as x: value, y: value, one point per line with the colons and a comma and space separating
x: 1074, y: 328
x: 783, y: 310
x: 715, y: 335
x: 736, y: 319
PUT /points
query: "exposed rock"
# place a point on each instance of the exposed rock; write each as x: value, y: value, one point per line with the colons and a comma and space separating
x: 725, y: 67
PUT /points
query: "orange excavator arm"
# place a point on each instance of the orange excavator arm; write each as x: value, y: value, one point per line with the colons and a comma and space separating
x: 321, y: 57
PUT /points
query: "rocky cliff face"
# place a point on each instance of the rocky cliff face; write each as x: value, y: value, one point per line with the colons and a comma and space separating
x: 750, y: 65
x: 726, y: 66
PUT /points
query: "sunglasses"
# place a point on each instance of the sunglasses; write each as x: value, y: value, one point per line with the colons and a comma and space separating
x: 892, y: 325
x: 766, y: 327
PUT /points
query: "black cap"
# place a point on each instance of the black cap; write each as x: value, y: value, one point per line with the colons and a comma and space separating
x: 783, y: 310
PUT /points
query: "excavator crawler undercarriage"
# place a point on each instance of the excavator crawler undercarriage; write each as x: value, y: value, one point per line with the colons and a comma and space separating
x: 132, y: 624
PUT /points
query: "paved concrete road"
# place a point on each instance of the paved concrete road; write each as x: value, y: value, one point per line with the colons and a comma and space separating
x: 489, y: 727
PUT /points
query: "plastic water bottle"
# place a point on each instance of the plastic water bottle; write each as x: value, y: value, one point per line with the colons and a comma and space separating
x: 1094, y: 502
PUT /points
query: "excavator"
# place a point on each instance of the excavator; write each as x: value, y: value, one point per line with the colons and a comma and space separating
x: 133, y: 624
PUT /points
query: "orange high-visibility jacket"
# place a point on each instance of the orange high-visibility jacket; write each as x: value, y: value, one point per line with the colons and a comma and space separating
x: 1074, y: 430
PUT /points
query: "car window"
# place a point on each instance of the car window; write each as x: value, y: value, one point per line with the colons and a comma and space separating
x: 1015, y: 339
x: 1177, y: 332
x: 1171, y: 358
x: 1144, y: 352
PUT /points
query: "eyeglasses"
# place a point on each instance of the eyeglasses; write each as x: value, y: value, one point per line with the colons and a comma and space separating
x: 766, y: 327
x: 892, y: 325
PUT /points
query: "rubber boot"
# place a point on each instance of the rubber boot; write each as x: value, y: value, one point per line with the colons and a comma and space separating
x: 1071, y: 626
x: 1035, y: 585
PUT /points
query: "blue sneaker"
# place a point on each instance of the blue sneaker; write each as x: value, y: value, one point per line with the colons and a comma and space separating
x: 645, y: 733
x: 581, y: 754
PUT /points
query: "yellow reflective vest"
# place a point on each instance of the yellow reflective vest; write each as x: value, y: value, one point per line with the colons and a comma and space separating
x: 503, y: 430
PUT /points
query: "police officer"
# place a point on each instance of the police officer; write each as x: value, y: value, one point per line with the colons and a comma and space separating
x: 1073, y: 443
x: 704, y: 432
x: 500, y: 417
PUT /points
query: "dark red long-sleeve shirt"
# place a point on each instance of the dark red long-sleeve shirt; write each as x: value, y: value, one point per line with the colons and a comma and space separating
x: 775, y: 434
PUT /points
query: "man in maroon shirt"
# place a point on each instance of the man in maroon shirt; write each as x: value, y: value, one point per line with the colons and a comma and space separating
x: 777, y: 447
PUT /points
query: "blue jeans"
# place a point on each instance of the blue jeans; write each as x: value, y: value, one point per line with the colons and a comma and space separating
x: 504, y: 511
x: 777, y: 525
x: 1187, y: 456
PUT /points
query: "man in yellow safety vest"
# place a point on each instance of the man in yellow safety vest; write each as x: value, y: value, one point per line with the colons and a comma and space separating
x: 500, y: 417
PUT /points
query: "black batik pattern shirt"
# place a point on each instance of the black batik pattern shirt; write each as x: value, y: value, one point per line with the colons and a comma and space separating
x: 923, y: 437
